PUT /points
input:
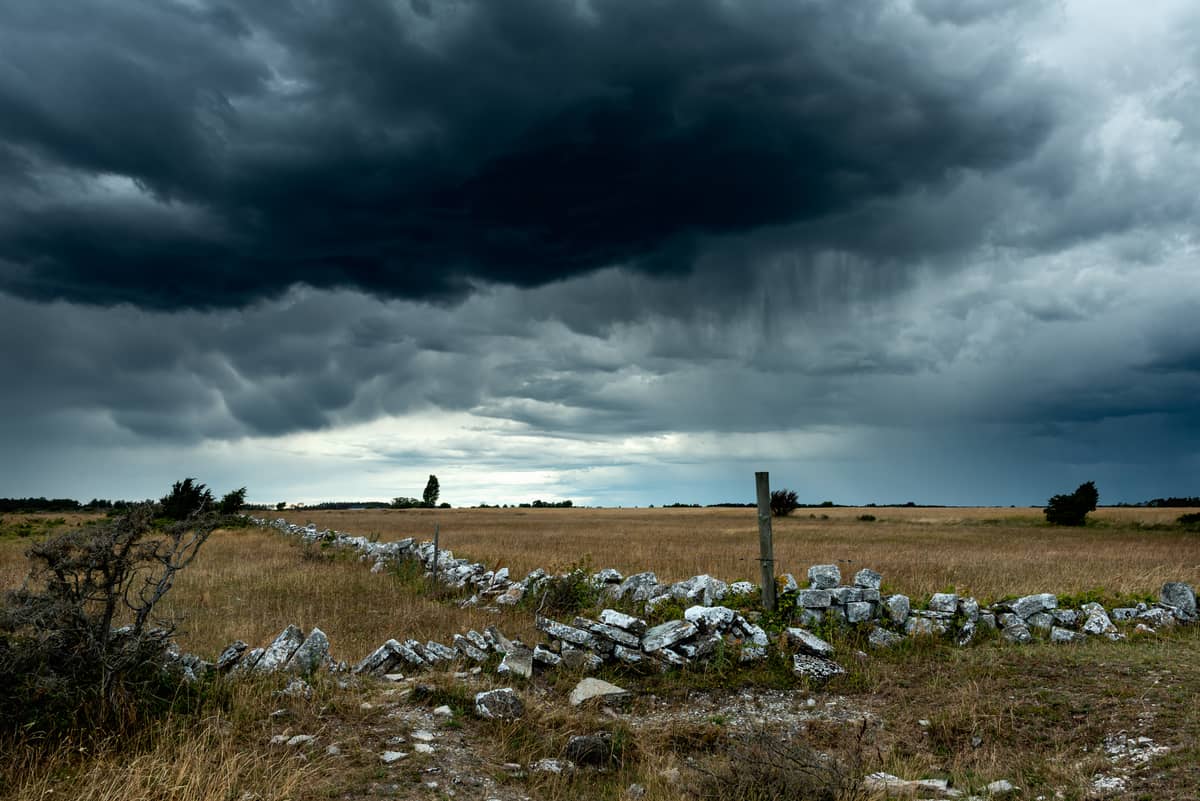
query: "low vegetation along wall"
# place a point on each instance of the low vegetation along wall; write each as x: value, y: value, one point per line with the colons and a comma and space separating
x: 717, y: 620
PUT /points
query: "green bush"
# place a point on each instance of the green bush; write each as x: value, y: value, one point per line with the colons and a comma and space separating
x: 1189, y: 519
x: 185, y: 499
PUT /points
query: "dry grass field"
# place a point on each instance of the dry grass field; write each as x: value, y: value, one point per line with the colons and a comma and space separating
x: 1036, y: 715
x: 987, y: 552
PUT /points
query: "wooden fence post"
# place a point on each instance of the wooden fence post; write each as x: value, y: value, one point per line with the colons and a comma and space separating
x: 766, y: 546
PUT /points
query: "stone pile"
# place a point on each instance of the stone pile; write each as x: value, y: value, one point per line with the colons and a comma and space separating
x: 707, y: 627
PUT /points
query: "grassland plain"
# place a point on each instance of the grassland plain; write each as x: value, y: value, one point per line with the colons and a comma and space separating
x: 1035, y: 715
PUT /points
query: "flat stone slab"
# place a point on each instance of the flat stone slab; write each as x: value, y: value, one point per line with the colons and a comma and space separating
x: 590, y: 688
x: 809, y: 643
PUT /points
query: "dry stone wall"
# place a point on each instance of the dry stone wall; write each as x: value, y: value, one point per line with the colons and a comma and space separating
x: 707, y: 630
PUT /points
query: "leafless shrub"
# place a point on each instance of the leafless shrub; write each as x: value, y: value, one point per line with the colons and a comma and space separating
x: 768, y: 767
x: 79, y: 644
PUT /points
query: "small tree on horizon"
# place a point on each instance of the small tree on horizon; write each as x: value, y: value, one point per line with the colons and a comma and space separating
x: 784, y: 502
x: 1071, y: 510
x: 432, y: 490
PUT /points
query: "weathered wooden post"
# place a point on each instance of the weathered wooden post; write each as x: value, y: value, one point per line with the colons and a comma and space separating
x: 766, y: 546
x: 437, y: 527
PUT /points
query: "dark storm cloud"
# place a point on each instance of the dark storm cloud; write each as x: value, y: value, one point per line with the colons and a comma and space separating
x: 204, y: 154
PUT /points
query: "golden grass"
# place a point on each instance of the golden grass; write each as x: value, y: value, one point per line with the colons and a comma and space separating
x: 988, y: 552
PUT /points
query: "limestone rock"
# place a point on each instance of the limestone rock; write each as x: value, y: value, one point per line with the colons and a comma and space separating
x: 1017, y: 633
x: 667, y: 634
x: 808, y: 643
x: 710, y: 618
x: 786, y: 583
x: 381, y: 660
x: 1061, y: 635
x: 638, y: 586
x: 281, y: 650
x: 230, y: 656
x: 544, y: 656
x: 590, y: 749
x: 612, y: 633
x: 517, y: 662
x: 1098, y: 622
x: 814, y: 599
x: 919, y: 627
x: 897, y: 607
x: 630, y: 623
x: 1032, y: 604
x: 502, y: 704
x: 590, y: 688
x: 846, y: 595
x: 468, y: 649
x: 867, y: 579
x: 312, y: 654
x: 882, y: 638
x: 1040, y: 620
x: 943, y: 602
x: 824, y: 577
x: 1181, y: 597
x: 740, y: 588
x: 858, y: 612
x: 969, y: 609
x: 815, y: 667
x: 561, y: 631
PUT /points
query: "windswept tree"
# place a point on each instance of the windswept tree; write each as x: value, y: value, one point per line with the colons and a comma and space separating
x: 432, y: 490
x: 1071, y: 510
x: 784, y: 502
x: 186, y: 498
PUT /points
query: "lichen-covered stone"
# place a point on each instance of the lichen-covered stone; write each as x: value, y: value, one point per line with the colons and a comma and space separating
x: 517, y: 662
x: 1181, y: 597
x: 561, y: 631
x: 846, y: 595
x: 634, y: 625
x: 882, y: 638
x: 380, y: 661
x: 943, y: 602
x: 312, y: 654
x: 814, y: 599
x: 896, y: 608
x: 824, y: 577
x: 667, y: 634
x: 815, y: 667
x: 808, y: 643
x: 740, y: 588
x: 710, y: 618
x: 281, y: 650
x: 1017, y: 633
x: 969, y: 609
x: 858, y: 612
x: 1032, y: 604
x: 230, y: 656
x: 502, y: 704
x: 1061, y: 635
x: 611, y: 633
x: 1040, y: 620
x: 868, y: 579
x: 468, y: 649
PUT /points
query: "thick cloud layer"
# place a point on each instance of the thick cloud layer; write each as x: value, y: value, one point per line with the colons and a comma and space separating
x: 625, y: 252
x: 207, y: 154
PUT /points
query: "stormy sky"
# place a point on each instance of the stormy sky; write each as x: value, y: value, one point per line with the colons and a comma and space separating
x: 625, y: 252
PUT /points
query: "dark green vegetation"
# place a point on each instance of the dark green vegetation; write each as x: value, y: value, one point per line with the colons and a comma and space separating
x: 1072, y: 510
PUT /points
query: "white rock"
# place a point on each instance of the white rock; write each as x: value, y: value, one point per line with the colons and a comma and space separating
x: 824, y: 577
x: 809, y: 643
x: 590, y: 688
x: 667, y: 634
x: 389, y: 757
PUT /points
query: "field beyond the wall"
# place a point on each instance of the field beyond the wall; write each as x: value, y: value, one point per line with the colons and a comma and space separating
x: 985, y: 552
